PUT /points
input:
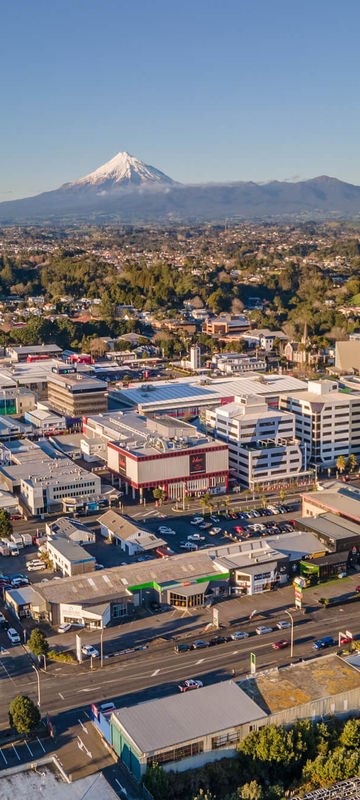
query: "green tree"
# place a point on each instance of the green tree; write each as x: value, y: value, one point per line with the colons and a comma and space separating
x: 38, y: 643
x: 157, y: 782
x: 159, y: 494
x: 23, y: 714
x: 204, y: 795
x: 350, y: 736
x: 341, y: 463
x: 6, y: 527
x: 251, y: 791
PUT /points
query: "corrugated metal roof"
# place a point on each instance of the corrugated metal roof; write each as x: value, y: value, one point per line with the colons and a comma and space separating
x: 171, y: 721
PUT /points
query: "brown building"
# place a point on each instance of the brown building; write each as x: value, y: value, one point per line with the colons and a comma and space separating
x: 77, y: 395
x: 225, y: 324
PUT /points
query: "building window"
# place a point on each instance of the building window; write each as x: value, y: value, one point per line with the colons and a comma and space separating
x: 177, y: 754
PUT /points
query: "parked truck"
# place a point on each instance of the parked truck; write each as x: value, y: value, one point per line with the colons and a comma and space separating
x: 27, y: 539
x: 17, y: 540
x: 4, y: 547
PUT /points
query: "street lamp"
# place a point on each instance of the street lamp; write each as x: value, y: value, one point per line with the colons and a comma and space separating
x: 292, y: 633
x: 101, y: 646
x: 38, y: 686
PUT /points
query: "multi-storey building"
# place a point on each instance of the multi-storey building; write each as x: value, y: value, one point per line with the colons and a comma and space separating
x: 262, y: 445
x: 75, y: 394
x: 327, y: 421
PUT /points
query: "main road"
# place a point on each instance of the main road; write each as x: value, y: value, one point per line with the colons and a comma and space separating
x: 156, y: 671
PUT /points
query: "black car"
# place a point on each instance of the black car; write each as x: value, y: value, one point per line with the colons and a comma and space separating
x: 217, y: 640
x: 182, y: 648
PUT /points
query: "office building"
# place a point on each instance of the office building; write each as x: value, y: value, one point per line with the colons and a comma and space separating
x: 231, y: 363
x: 76, y: 395
x: 263, y: 450
x: 327, y: 422
x: 68, y: 557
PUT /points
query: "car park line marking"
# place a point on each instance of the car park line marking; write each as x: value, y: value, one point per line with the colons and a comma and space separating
x: 41, y: 745
x: 5, y: 759
x: 32, y: 754
x: 16, y: 752
x: 86, y: 714
x: 155, y: 673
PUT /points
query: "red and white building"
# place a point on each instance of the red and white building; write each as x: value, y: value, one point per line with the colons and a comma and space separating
x: 161, y: 453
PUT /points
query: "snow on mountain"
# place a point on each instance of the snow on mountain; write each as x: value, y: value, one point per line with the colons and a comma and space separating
x: 125, y: 170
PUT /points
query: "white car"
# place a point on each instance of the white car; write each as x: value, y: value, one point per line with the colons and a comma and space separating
x: 13, y: 636
x: 196, y: 520
x: 167, y: 531
x: 89, y: 650
x: 195, y: 537
x: 64, y: 627
x: 215, y: 531
x: 263, y: 629
x: 188, y: 546
x: 239, y: 635
x: 283, y: 624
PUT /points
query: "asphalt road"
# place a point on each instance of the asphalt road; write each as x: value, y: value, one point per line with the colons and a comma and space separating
x: 155, y: 672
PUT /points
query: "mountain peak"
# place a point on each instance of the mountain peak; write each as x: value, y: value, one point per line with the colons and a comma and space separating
x: 124, y: 169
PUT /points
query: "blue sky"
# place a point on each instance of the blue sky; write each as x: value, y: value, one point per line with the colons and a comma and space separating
x: 205, y: 90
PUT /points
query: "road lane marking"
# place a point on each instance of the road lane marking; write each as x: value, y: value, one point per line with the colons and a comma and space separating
x: 16, y: 752
x: 155, y: 673
x: 93, y: 689
x: 61, y: 695
x: 32, y: 754
x: 200, y: 661
x: 83, y: 726
x: 41, y: 744
x: 235, y: 652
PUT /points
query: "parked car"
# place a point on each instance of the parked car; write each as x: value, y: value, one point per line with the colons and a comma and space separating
x: 239, y: 635
x: 64, y: 627
x: 199, y: 644
x: 13, y: 636
x: 205, y: 525
x: 357, y: 589
x: 345, y: 639
x: 214, y: 519
x: 283, y: 623
x: 188, y: 546
x: 195, y: 537
x: 89, y: 650
x: 196, y: 520
x: 187, y: 686
x: 280, y: 645
x: 263, y: 629
x: 214, y: 531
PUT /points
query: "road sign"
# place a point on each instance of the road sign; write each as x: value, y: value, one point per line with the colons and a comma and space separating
x: 215, y: 617
x: 252, y: 663
x: 349, y: 634
x: 298, y: 602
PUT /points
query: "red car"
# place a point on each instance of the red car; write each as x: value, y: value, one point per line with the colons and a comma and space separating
x: 280, y: 645
x: 233, y: 515
x: 239, y: 529
x: 357, y: 589
x: 345, y: 639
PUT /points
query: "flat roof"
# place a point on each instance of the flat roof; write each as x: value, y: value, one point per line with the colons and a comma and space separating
x: 294, y: 545
x: 77, y: 382
x: 301, y: 683
x: 45, y: 782
x: 338, y: 497
x: 331, y: 525
x: 70, y: 550
x: 266, y: 385
x: 170, y: 721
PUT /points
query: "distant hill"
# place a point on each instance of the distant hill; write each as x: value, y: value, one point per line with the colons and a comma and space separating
x: 127, y: 190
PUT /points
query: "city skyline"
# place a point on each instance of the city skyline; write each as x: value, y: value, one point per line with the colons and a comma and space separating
x: 246, y: 92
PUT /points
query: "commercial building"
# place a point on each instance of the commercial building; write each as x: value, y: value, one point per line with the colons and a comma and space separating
x: 22, y: 353
x: 191, y: 396
x: 338, y: 498
x: 132, y: 539
x: 43, y: 482
x: 231, y: 363
x: 184, y: 731
x: 187, y: 462
x: 347, y: 356
x: 335, y: 533
x: 263, y: 337
x: 263, y: 450
x: 76, y: 395
x: 327, y: 422
x: 68, y: 557
x: 45, y: 420
x: 12, y: 429
x: 72, y: 529
x: 225, y: 324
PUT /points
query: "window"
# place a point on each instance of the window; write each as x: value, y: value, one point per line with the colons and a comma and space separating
x: 177, y: 754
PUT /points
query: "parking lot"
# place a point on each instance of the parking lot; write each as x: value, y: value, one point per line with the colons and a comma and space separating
x: 12, y: 755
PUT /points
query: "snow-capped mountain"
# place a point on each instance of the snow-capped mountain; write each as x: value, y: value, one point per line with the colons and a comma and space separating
x: 122, y: 170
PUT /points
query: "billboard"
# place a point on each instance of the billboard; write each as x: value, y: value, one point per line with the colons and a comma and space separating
x: 122, y: 464
x: 197, y: 463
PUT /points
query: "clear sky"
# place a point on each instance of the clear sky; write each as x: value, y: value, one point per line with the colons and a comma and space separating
x: 205, y: 90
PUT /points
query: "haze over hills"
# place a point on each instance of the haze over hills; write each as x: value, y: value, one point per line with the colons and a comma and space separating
x: 125, y: 189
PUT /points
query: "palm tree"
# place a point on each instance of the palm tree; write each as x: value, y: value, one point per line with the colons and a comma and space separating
x: 341, y: 463
x: 352, y: 462
x: 282, y: 494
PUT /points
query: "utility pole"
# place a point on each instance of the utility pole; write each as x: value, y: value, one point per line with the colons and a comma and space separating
x: 292, y: 633
x: 101, y: 646
x: 38, y: 686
